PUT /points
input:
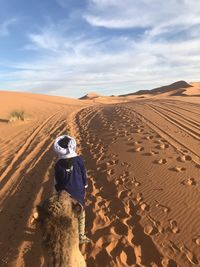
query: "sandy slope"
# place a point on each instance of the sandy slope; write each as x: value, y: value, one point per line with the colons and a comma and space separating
x: 195, y: 90
x: 27, y: 169
x: 143, y: 160
x: 143, y: 167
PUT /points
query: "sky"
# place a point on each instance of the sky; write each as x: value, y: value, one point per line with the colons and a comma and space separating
x: 73, y: 47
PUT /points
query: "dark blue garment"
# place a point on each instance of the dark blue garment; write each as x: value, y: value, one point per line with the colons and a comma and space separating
x: 73, y: 181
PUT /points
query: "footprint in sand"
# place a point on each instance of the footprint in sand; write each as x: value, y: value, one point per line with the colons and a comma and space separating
x: 164, y: 208
x: 124, y: 195
x: 168, y: 263
x: 135, y: 182
x: 127, y: 133
x: 138, y: 149
x: 190, y: 256
x: 112, y: 162
x: 156, y: 224
x: 189, y: 181
x: 197, y: 240
x: 160, y: 161
x: 184, y: 158
x: 110, y: 172
x: 148, y: 137
x: 113, y: 156
x: 178, y: 169
x: 139, y: 130
x: 144, y: 206
x: 123, y: 178
x: 151, y: 153
x: 172, y: 246
x: 162, y: 146
x: 125, y: 174
x: 174, y: 226
x: 137, y: 143
x: 126, y: 164
x: 138, y: 199
x: 117, y: 182
x: 149, y: 229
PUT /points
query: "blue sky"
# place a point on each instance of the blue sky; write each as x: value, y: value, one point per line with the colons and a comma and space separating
x: 72, y: 47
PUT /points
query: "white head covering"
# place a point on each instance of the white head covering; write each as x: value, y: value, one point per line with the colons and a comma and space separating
x: 64, y: 153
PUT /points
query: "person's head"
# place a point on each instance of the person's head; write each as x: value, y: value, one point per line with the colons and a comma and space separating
x: 65, y: 146
x: 64, y: 142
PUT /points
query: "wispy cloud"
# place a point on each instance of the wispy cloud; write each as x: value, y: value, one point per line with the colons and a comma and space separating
x: 142, y: 13
x: 167, y: 20
x: 6, y: 25
x: 105, y: 55
x: 143, y: 65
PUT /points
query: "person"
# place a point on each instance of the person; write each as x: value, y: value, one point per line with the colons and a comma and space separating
x: 70, y: 175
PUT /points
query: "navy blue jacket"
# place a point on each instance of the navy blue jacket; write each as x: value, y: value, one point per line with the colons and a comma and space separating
x: 73, y: 182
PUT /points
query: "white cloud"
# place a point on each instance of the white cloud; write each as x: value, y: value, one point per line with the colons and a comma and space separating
x: 6, y: 25
x: 44, y: 41
x: 144, y: 65
x: 73, y: 63
x: 143, y: 13
x: 47, y: 38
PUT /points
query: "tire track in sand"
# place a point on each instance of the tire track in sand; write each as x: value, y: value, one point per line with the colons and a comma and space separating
x: 179, y: 121
x: 179, y: 141
x: 24, y: 147
x: 13, y: 175
x: 170, y: 195
x: 19, y: 199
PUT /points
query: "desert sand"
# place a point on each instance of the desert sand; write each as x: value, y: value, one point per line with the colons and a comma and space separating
x: 142, y: 155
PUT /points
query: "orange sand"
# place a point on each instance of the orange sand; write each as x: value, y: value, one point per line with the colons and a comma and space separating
x: 143, y: 162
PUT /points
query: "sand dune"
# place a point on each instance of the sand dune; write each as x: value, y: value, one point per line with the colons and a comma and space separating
x: 146, y: 198
x: 143, y: 164
x: 194, y: 90
x: 90, y: 96
x: 26, y: 169
x: 97, y: 98
x: 180, y: 88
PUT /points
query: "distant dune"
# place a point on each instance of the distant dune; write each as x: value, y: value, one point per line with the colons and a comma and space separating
x: 179, y: 88
x: 193, y: 91
x: 176, y: 88
x: 90, y: 96
x: 97, y: 98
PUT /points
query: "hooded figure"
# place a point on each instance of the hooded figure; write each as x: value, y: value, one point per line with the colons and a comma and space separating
x: 65, y: 147
x: 70, y: 175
